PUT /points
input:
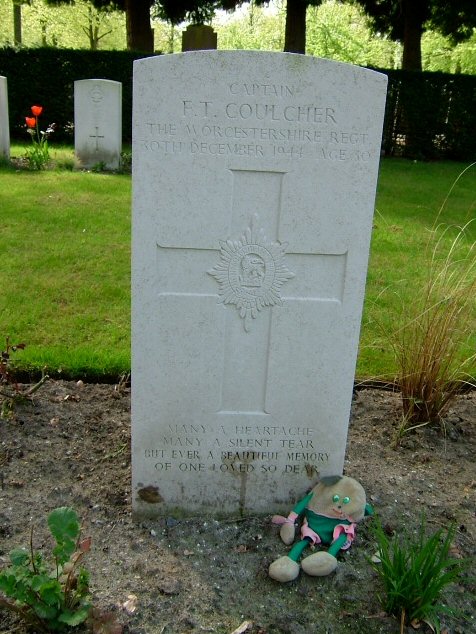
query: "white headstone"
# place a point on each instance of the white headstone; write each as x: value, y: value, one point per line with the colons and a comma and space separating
x: 254, y: 185
x: 4, y: 121
x: 98, y: 122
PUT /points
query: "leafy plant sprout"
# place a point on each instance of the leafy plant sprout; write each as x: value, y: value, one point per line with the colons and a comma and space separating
x: 50, y: 597
x: 38, y: 155
x: 414, y: 571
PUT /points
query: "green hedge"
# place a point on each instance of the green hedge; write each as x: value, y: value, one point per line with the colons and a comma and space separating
x: 46, y: 76
x: 428, y: 115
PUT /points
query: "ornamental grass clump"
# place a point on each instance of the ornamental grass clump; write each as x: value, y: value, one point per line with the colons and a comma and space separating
x: 428, y: 345
x: 414, y: 571
x: 38, y: 154
x: 434, y: 327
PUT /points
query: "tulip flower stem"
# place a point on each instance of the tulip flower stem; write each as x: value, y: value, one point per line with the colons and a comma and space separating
x: 38, y: 155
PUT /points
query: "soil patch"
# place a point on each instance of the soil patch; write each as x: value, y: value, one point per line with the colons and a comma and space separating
x: 71, y: 447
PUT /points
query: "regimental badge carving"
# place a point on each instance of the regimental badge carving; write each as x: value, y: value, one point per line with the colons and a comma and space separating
x: 251, y: 272
x: 96, y: 94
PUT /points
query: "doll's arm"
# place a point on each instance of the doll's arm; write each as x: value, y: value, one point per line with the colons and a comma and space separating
x: 288, y: 524
x: 288, y: 527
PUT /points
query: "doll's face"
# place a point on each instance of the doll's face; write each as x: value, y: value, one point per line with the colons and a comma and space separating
x: 343, y: 500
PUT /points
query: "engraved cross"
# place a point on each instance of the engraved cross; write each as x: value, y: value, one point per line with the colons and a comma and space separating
x: 96, y: 136
x: 254, y: 274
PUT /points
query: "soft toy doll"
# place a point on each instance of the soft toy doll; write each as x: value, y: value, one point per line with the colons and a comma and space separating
x: 331, y: 511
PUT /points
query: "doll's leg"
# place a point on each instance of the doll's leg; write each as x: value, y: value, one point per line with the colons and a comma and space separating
x: 297, y: 550
x: 323, y: 563
x: 287, y: 568
x: 337, y: 545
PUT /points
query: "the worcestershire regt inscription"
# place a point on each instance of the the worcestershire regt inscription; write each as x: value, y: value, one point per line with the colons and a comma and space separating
x: 253, y: 188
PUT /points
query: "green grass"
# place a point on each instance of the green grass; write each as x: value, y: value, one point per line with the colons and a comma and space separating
x: 65, y: 271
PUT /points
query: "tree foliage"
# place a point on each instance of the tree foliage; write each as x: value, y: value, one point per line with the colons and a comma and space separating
x: 138, y: 13
x: 199, y: 11
x: 341, y: 31
x: 336, y: 30
x: 194, y: 11
x: 406, y: 20
x: 253, y: 29
x: 295, y: 30
x: 67, y: 26
x: 139, y: 32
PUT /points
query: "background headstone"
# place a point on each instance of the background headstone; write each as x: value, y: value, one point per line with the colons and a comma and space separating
x: 254, y: 185
x: 4, y: 120
x: 199, y: 37
x: 98, y: 122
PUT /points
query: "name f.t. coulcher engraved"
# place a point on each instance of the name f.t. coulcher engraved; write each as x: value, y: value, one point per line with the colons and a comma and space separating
x: 251, y: 272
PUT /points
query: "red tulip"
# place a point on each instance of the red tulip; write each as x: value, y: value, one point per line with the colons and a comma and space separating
x: 31, y: 122
x: 37, y: 110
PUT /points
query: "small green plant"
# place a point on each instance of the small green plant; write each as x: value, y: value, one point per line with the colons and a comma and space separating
x: 38, y: 154
x: 126, y: 163
x: 414, y: 571
x: 99, y: 167
x: 50, y: 597
x: 5, y: 360
x: 67, y: 164
x: 10, y: 390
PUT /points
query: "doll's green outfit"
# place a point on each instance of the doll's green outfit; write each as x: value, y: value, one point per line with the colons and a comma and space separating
x: 318, y: 529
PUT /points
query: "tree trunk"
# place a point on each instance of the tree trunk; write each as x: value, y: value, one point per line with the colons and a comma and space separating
x: 171, y: 39
x: 412, y: 34
x: 16, y: 23
x: 140, y: 36
x: 44, y: 27
x: 416, y: 137
x: 295, y: 33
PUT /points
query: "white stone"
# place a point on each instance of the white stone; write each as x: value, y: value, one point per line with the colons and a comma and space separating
x: 254, y: 185
x: 4, y: 121
x: 98, y: 122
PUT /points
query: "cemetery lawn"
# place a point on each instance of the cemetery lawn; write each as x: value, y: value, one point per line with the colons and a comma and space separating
x: 65, y: 273
x: 70, y: 447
